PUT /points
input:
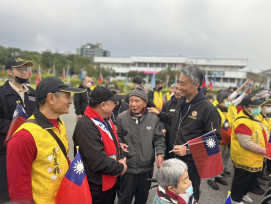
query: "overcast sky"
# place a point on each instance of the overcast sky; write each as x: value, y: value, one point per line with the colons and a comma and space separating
x: 236, y: 29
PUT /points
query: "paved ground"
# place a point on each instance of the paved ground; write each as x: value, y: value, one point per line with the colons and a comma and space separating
x: 208, y: 195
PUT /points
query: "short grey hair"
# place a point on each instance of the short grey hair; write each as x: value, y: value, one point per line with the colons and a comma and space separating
x: 194, y: 73
x: 170, y: 172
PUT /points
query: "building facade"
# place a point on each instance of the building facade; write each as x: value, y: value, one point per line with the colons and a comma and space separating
x: 93, y: 50
x: 222, y: 72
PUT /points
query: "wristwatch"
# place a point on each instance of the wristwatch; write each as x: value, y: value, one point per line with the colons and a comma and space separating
x: 188, y: 151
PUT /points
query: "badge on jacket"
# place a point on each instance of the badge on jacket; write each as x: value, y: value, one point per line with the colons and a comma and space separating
x: 32, y: 98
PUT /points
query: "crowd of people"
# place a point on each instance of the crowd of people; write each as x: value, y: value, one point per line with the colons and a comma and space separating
x: 121, y: 137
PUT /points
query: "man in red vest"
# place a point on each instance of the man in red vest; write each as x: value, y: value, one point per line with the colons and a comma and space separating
x: 96, y: 137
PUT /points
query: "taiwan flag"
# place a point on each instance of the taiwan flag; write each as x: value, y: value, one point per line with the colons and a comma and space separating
x: 206, y: 154
x: 19, y: 117
x: 38, y: 76
x: 268, y: 149
x: 101, y: 78
x: 74, y: 187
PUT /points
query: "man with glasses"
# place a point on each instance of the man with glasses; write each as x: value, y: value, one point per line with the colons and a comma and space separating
x: 81, y: 99
x: 11, y: 92
x: 96, y: 137
x: 169, y: 107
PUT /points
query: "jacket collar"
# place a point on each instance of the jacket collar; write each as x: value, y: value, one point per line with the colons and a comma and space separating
x: 9, y: 90
x: 43, y: 121
x: 200, y: 96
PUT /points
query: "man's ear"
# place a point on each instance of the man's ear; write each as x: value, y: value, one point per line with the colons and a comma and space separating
x: 9, y: 71
x: 51, y: 98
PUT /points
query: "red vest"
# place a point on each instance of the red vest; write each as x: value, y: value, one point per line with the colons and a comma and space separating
x: 108, y: 181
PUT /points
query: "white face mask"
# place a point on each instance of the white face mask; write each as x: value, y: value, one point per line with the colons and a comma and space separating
x: 268, y: 110
x: 88, y: 85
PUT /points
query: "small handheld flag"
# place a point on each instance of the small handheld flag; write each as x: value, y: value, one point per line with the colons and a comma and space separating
x: 206, y: 154
x: 228, y: 200
x: 74, y: 187
x: 19, y: 117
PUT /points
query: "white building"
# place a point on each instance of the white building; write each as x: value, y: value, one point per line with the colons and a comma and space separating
x: 223, y: 72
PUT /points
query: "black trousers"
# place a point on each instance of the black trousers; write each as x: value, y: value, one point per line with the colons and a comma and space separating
x: 4, y: 195
x: 134, y: 185
x: 104, y: 197
x: 194, y: 177
x: 242, y: 182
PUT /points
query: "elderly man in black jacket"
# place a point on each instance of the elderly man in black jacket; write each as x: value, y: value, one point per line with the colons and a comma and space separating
x: 194, y: 116
x: 13, y: 90
x: 96, y: 137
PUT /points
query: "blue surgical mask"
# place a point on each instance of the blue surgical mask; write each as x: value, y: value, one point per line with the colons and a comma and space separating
x: 227, y: 104
x: 256, y: 111
x: 189, y: 190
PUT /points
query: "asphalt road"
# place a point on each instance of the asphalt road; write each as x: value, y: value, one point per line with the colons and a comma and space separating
x: 208, y: 195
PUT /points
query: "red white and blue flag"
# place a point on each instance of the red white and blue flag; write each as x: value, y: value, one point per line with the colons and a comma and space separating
x: 100, y: 78
x: 38, y: 76
x: 74, y: 186
x: 206, y: 154
x: 268, y: 149
x: 19, y: 117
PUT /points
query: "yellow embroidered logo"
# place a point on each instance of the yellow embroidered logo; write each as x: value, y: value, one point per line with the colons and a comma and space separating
x: 254, y: 98
x: 19, y: 59
x: 194, y: 113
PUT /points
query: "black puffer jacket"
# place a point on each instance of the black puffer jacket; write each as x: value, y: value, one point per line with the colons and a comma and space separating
x: 201, y: 117
x: 81, y: 101
x: 8, y: 98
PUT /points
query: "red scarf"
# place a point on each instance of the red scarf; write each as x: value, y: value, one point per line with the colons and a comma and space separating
x: 108, y: 181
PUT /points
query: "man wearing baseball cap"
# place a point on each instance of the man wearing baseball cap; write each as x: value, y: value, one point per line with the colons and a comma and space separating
x: 248, y: 140
x: 37, y: 153
x: 120, y: 105
x: 11, y: 92
x: 96, y: 137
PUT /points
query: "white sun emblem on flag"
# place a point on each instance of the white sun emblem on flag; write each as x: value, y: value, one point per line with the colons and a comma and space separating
x: 79, y: 167
x: 210, y: 143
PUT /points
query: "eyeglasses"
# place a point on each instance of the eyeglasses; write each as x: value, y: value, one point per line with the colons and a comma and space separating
x: 22, y: 69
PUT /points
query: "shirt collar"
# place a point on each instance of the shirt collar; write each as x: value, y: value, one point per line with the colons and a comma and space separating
x: 23, y: 89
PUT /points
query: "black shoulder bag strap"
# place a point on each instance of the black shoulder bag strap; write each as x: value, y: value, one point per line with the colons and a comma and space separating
x: 59, y: 142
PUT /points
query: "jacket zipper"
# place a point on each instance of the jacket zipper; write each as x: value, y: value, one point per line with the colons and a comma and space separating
x: 181, y: 123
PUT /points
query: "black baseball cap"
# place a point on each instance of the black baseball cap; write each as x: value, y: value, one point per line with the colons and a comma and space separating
x: 251, y: 100
x: 102, y: 93
x: 113, y: 86
x: 267, y: 102
x: 17, y: 62
x: 52, y: 85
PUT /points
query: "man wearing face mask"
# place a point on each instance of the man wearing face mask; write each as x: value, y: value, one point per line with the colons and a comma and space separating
x: 155, y: 96
x: 248, y: 147
x: 81, y: 99
x: 13, y: 90
x: 224, y: 103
